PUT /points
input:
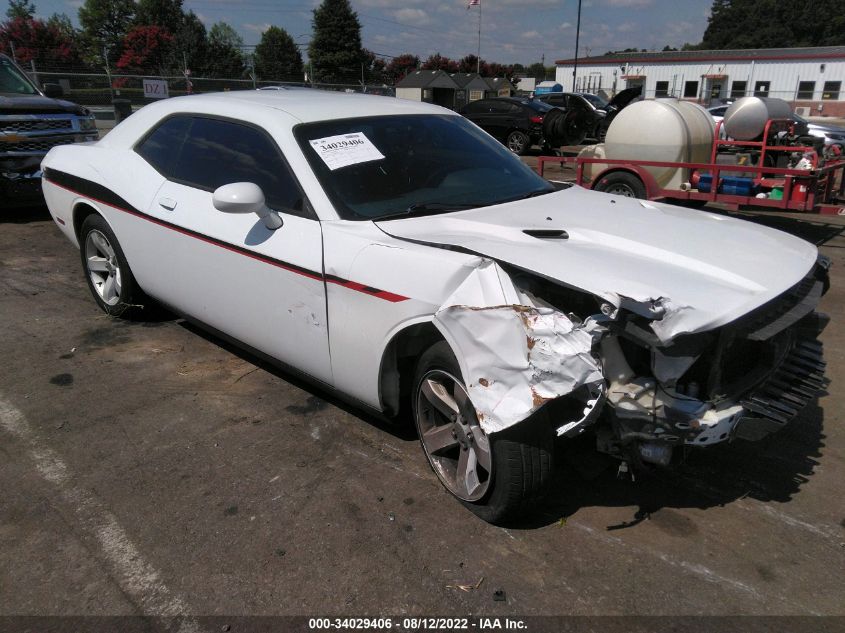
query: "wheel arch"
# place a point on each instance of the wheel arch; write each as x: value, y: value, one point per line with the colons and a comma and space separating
x: 644, y: 175
x: 398, y: 363
x: 81, y: 210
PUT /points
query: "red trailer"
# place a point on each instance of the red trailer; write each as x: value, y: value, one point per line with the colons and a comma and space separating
x: 819, y: 189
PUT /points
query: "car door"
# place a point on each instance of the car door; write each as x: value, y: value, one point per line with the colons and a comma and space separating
x: 262, y: 287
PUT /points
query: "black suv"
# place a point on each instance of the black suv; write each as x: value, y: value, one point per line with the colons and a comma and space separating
x: 518, y: 123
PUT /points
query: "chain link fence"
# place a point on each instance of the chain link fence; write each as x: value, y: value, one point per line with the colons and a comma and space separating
x: 100, y: 89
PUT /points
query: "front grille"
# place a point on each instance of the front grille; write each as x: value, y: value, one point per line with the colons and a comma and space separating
x: 40, y: 145
x: 791, y: 387
x: 788, y: 308
x: 37, y: 125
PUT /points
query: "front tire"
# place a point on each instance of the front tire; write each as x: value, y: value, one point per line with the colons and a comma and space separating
x: 500, y: 476
x: 107, y: 272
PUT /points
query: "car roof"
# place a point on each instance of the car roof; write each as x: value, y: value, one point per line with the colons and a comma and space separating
x: 306, y: 105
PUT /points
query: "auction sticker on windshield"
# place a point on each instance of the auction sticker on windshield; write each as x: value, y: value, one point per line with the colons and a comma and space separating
x: 345, y: 149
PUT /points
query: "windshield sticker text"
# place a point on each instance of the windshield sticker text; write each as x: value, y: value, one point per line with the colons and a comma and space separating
x: 345, y: 149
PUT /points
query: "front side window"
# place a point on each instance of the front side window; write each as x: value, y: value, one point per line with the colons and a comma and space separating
x: 208, y: 153
x: 376, y: 167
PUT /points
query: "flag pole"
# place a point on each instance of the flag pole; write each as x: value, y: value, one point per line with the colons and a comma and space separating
x: 478, y: 61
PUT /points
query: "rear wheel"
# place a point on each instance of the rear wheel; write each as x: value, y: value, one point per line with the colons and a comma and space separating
x: 497, y: 476
x: 518, y: 142
x: 622, y: 184
x: 106, y: 270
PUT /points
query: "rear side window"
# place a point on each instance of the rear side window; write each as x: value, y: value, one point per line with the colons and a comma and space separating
x: 208, y: 153
x: 163, y: 145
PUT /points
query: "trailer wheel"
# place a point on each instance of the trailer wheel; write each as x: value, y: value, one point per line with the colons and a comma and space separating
x: 622, y: 184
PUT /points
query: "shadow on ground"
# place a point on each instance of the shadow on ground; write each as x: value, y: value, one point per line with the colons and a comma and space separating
x: 25, y: 215
x: 773, y: 469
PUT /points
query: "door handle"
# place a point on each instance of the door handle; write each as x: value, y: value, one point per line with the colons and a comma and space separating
x: 167, y: 203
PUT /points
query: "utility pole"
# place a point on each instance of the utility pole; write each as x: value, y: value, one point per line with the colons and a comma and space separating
x: 577, y: 38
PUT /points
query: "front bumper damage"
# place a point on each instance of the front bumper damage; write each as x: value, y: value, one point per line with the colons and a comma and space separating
x: 631, y: 367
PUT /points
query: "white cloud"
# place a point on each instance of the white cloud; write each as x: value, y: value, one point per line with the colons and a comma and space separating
x: 257, y: 28
x: 627, y: 27
x: 412, y: 17
x: 530, y: 35
x: 565, y: 25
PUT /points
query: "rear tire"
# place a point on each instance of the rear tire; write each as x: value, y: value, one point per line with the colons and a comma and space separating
x: 518, y: 464
x: 518, y: 142
x: 622, y: 184
x: 107, y: 272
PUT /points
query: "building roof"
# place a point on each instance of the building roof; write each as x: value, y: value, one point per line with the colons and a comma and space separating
x: 427, y: 79
x: 465, y: 79
x: 757, y: 54
x: 497, y: 83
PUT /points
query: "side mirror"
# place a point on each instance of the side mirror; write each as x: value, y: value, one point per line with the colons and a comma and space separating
x: 54, y: 91
x: 245, y: 197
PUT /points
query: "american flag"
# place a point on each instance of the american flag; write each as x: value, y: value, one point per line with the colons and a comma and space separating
x: 473, y: 3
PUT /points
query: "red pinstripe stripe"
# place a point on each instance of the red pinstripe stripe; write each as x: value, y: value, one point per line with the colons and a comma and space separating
x: 351, y: 285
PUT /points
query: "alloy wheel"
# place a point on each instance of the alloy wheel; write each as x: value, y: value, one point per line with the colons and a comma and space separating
x: 456, y: 446
x: 103, y: 267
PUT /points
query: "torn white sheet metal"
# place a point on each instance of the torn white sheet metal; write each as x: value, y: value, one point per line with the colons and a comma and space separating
x: 514, y: 357
x: 668, y: 317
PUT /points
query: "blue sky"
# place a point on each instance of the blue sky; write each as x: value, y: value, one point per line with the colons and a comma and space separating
x: 512, y: 30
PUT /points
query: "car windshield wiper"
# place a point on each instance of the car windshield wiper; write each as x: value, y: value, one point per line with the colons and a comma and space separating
x: 423, y: 208
x: 534, y: 194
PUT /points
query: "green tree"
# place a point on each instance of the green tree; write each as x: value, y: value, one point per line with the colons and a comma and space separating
x: 335, y: 51
x: 225, y: 51
x: 538, y: 71
x: 774, y: 24
x: 104, y: 25
x: 276, y: 57
x: 62, y: 24
x: 190, y: 45
x: 164, y: 13
x: 20, y: 9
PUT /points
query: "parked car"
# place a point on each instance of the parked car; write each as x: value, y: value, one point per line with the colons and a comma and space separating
x: 516, y: 122
x: 599, y: 113
x: 31, y: 122
x: 832, y: 134
x: 393, y: 252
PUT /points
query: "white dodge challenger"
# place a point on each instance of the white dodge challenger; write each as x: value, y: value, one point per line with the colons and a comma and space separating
x: 395, y: 253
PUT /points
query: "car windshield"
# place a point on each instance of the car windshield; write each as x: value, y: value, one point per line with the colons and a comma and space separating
x: 595, y: 100
x: 12, y: 81
x: 378, y: 167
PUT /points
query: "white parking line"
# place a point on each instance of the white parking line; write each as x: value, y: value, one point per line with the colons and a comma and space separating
x: 137, y: 578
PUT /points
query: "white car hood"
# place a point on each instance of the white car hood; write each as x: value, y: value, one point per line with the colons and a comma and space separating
x: 706, y: 270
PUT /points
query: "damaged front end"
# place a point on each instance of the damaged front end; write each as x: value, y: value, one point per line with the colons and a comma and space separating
x: 630, y: 366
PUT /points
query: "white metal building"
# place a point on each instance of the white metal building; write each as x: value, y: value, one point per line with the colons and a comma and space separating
x: 811, y: 78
